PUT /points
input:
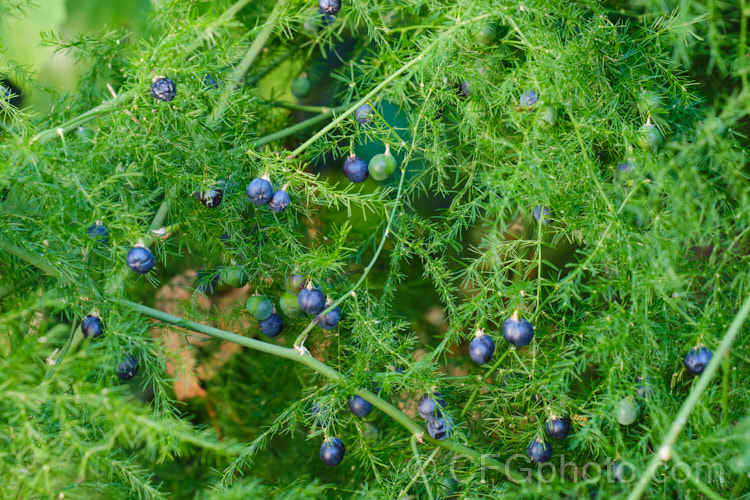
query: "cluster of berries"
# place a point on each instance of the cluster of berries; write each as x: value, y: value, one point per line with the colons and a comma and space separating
x: 439, y: 423
x: 92, y: 327
x: 381, y: 166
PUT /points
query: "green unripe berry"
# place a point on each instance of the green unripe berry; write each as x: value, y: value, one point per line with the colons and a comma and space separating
x: 301, y: 86
x: 548, y: 117
x: 382, y: 166
x: 486, y: 34
x: 259, y: 306
x: 234, y: 276
x: 649, y: 137
x: 289, y: 305
x: 626, y: 411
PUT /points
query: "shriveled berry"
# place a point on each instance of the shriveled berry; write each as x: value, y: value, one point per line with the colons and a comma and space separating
x: 211, y: 197
x: 163, y: 89
x: 128, y: 368
x: 295, y: 283
x: 259, y: 191
x: 439, y: 428
x: 92, y: 327
x: 528, y: 99
x: 539, y: 451
x: 289, y: 305
x: 697, y: 359
x: 301, y: 86
x: 481, y: 348
x: 427, y: 406
x: 99, y: 233
x: 271, y: 326
x: 279, y: 201
x: 332, y: 451
x: 359, y: 406
x: 363, y: 114
x: 518, y: 331
x: 140, y: 259
x: 330, y: 320
x: 355, y: 169
x: 382, y: 166
x: 557, y: 427
x: 311, y: 301
x: 234, y: 276
x: 540, y: 212
x: 259, y: 306
x: 625, y: 411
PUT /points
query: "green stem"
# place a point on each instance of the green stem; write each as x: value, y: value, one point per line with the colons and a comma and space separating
x: 739, y: 487
x: 300, y: 107
x: 238, y: 75
x: 665, y: 450
x: 281, y: 134
x: 406, y: 488
x: 420, y: 468
x: 302, y: 336
x: 744, y: 66
x: 725, y: 390
x: 328, y: 372
x: 29, y: 257
x: 487, y: 376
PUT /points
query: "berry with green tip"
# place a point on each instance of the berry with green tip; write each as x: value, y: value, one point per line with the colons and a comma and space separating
x: 359, y: 406
x: 649, y: 138
x: 539, y: 451
x: 289, y: 305
x: 439, y: 428
x: 128, y: 368
x: 259, y: 306
x: 234, y: 276
x: 518, y: 331
x: 311, y: 300
x: 355, y: 169
x: 481, y: 348
x: 332, y: 451
x: 211, y: 198
x: 331, y: 319
x: 98, y: 232
x: 279, y: 201
x: 272, y: 325
x: 626, y: 412
x: 163, y: 89
x: 557, y: 427
x: 528, y: 99
x: 428, y: 405
x: 140, y: 259
x: 697, y: 359
x: 259, y: 191
x: 92, y: 327
x: 363, y: 114
x: 383, y: 165
x: 295, y: 283
x: 301, y: 86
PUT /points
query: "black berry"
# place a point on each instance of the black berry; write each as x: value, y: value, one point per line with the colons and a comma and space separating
x: 212, y: 197
x: 428, y: 404
x: 355, y: 169
x: 481, y: 348
x: 140, y: 259
x: 91, y: 326
x: 697, y: 359
x: 439, y: 428
x: 539, y: 451
x: 128, y: 368
x: 359, y: 406
x: 311, y: 300
x: 271, y: 326
x: 330, y: 320
x: 163, y: 89
x: 557, y: 427
x: 517, y: 331
x: 279, y: 201
x: 332, y: 451
x: 99, y: 233
x: 363, y: 114
x: 259, y: 191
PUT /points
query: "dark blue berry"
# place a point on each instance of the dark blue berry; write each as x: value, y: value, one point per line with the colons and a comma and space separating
x: 320, y: 415
x: 210, y: 82
x: 140, y: 260
x: 538, y: 214
x: 295, y: 283
x: 359, y: 406
x: 91, y: 326
x: 207, y: 281
x: 517, y: 331
x: 330, y: 320
x: 539, y: 451
x: 464, y: 90
x: 428, y: 405
x: 439, y: 428
x: 332, y: 451
x: 163, y: 89
x: 625, y: 167
x: 557, y: 427
x: 259, y: 191
x: 329, y: 6
x: 643, y: 388
x: 481, y: 348
x: 697, y: 359
x: 212, y: 197
x: 355, y: 169
x: 99, y: 233
x: 128, y: 368
x: 311, y: 301
x: 528, y: 99
x: 271, y: 326
x: 279, y: 201
x: 363, y: 114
